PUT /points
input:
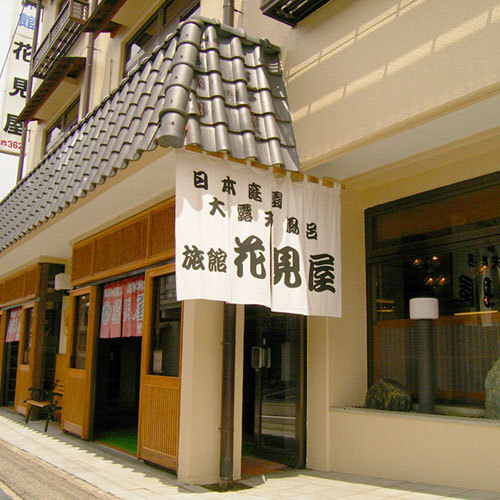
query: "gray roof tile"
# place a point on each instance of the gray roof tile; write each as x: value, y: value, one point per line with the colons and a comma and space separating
x: 208, y: 85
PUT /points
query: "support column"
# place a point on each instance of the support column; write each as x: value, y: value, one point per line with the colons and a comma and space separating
x: 318, y: 390
x: 200, y: 410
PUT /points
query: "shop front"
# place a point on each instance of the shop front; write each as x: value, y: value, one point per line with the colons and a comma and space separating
x: 124, y: 342
x: 31, y: 314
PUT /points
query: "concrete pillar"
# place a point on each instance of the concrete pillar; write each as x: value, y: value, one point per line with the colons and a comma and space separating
x: 318, y: 394
x: 201, y: 375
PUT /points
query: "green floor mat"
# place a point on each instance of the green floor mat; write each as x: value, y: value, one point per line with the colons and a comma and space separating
x: 122, y: 439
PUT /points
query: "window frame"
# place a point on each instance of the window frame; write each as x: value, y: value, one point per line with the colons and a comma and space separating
x: 160, y: 17
x: 63, y: 123
x: 377, y: 255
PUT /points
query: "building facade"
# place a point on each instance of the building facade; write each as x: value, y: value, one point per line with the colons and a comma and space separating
x: 398, y: 100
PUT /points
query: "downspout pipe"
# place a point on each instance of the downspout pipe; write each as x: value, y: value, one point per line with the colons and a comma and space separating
x: 227, y: 403
x: 29, y: 88
x: 228, y: 12
x: 228, y: 357
x: 89, y: 64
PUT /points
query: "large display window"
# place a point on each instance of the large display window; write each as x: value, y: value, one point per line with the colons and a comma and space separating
x: 443, y: 244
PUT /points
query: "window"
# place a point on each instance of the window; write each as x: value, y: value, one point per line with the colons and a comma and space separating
x: 81, y: 323
x: 62, y: 125
x: 166, y: 328
x: 443, y: 244
x: 163, y: 22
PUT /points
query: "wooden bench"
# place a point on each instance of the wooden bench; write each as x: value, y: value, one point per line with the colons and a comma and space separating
x: 45, y: 400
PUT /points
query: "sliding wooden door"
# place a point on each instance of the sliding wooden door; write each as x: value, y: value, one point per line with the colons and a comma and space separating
x: 80, y: 354
x: 160, y: 370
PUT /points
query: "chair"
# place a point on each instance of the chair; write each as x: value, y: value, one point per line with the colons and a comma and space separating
x: 46, y: 400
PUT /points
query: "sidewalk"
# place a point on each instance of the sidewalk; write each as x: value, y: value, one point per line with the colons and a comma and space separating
x: 127, y: 478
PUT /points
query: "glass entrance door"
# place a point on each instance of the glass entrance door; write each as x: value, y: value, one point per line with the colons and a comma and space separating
x: 274, y: 399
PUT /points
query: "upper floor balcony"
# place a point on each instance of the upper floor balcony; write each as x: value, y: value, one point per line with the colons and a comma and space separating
x: 51, y: 62
x: 61, y: 37
x: 290, y: 12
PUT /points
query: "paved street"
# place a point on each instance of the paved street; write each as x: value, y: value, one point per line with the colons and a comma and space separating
x: 56, y: 466
x: 27, y: 477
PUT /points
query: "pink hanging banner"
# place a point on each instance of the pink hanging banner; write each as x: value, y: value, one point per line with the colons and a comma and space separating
x: 14, y: 326
x: 111, y: 315
x: 133, y: 306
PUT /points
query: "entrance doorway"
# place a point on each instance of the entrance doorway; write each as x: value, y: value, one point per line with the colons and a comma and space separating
x: 10, y: 373
x: 117, y: 392
x: 11, y: 356
x: 274, y: 386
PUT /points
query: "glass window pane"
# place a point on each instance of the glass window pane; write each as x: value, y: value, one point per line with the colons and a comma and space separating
x: 466, y: 282
x: 166, y: 328
x: 157, y: 28
x: 465, y: 212
x: 80, y: 331
x: 71, y: 116
x: 53, y: 133
x: 28, y: 331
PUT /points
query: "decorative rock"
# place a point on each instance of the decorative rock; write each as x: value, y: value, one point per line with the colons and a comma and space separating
x: 492, y: 386
x: 387, y: 394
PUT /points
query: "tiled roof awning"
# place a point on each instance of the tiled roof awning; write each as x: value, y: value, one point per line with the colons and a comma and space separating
x: 208, y: 85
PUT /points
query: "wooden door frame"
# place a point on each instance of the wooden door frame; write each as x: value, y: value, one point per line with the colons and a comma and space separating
x: 146, y: 377
x: 88, y: 373
x: 23, y: 367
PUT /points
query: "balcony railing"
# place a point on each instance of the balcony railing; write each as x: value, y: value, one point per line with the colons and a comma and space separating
x: 290, y: 11
x: 61, y: 36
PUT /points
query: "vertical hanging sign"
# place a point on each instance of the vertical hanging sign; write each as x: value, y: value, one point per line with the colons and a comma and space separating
x: 16, y: 79
x: 133, y: 306
x: 111, y: 315
x: 14, y: 326
x: 245, y: 237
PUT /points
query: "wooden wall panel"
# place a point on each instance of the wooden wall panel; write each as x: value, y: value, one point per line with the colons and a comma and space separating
x: 23, y: 382
x: 134, y: 241
x: 160, y: 429
x: 142, y: 240
x: 82, y: 260
x: 14, y: 288
x: 61, y: 369
x: 31, y: 282
x: 73, y: 404
x: 106, y: 252
x: 22, y: 286
x: 162, y: 230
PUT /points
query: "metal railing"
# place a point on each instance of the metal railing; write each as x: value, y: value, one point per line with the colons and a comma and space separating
x: 290, y: 11
x: 61, y: 36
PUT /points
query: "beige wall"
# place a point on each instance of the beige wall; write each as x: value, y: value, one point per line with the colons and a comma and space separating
x: 337, y: 348
x: 430, y: 449
x: 372, y: 66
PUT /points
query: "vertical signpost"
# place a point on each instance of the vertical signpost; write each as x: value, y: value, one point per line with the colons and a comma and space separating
x: 15, y: 79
